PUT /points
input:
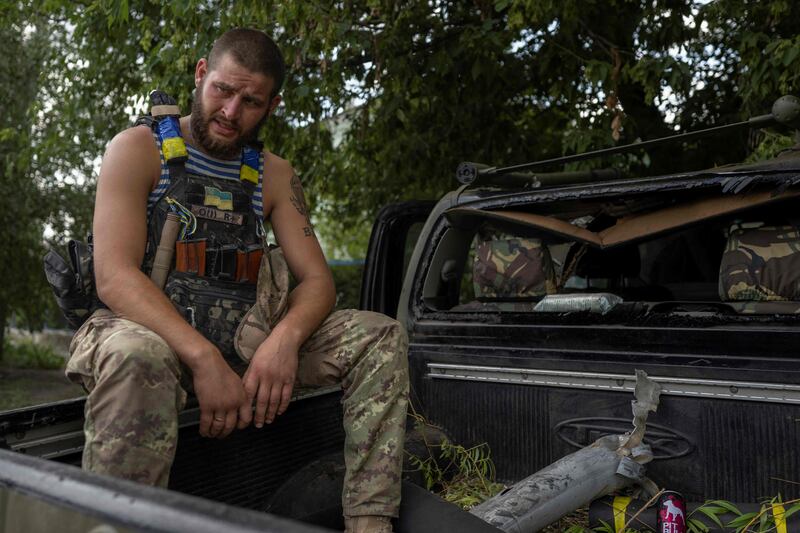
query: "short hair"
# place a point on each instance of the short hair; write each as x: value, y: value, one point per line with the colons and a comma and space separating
x: 253, y: 50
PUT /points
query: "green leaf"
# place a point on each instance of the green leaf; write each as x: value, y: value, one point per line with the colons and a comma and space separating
x: 711, y: 513
x: 696, y: 526
x: 7, y: 134
x: 476, y: 69
x: 791, y: 510
x: 790, y: 54
x: 772, y: 46
x: 725, y: 505
x: 762, y: 522
x: 597, y: 71
x: 742, y: 520
x: 604, y: 527
x: 749, y: 40
x: 122, y: 11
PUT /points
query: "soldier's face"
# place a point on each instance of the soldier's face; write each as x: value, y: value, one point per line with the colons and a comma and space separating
x: 230, y: 106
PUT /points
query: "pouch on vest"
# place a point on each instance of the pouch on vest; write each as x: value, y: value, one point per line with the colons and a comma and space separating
x: 73, y: 282
x: 760, y: 263
x: 212, y: 306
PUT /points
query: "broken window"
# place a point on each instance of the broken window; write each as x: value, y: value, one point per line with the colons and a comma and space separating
x: 730, y: 254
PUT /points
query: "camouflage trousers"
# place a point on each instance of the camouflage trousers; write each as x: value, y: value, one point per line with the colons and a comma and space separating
x: 137, y: 386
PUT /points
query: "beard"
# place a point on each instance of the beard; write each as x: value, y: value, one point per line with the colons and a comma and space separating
x: 221, y: 149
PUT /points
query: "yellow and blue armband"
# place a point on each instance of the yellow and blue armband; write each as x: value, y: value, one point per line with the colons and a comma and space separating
x: 172, y: 145
x: 249, y: 169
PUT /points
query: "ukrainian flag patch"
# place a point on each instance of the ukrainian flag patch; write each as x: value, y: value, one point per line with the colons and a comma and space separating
x: 220, y: 199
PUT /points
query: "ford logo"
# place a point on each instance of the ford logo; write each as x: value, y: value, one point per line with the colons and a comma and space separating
x: 666, y: 443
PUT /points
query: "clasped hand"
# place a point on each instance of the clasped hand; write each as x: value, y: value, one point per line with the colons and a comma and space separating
x: 225, y: 399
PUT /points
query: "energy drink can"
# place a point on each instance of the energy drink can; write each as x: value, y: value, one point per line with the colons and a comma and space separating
x: 671, y: 513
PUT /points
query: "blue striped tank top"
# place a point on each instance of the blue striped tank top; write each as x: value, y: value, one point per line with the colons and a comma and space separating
x: 205, y: 165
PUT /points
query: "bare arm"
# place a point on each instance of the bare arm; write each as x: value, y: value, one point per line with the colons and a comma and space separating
x: 314, y: 296
x: 270, y: 378
x: 129, y: 169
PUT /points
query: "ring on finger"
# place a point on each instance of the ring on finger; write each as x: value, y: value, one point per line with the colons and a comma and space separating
x: 219, y: 419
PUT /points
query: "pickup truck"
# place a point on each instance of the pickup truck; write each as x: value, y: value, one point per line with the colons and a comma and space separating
x: 530, y: 300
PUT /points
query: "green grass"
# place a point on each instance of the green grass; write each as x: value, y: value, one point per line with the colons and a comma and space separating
x: 32, y: 374
x: 23, y: 387
x: 466, y: 476
x: 28, y: 354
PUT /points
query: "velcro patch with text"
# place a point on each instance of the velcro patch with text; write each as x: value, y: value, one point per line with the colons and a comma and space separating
x: 210, y: 213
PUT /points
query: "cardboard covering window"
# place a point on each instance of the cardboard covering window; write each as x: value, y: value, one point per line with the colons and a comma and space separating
x: 631, y: 228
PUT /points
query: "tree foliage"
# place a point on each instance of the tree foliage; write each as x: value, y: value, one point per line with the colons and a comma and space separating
x: 25, y: 199
x: 414, y: 87
x: 423, y: 85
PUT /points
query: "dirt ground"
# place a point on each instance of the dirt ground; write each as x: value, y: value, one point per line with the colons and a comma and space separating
x: 25, y: 387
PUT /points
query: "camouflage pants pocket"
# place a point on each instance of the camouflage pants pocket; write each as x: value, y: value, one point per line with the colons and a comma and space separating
x: 131, y: 412
x: 367, y: 353
x: 82, y: 348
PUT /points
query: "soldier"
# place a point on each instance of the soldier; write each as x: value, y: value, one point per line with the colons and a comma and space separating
x: 138, y: 357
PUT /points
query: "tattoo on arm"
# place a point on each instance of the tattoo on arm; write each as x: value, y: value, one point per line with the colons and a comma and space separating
x: 299, y: 203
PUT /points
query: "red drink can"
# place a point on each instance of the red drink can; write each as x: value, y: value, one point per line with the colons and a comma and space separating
x: 671, y: 516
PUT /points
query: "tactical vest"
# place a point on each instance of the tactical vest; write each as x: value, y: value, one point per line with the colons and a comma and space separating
x: 220, y: 244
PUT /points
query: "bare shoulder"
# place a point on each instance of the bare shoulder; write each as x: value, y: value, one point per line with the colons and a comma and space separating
x: 276, y: 168
x: 284, y: 201
x: 132, y: 152
x: 135, y: 138
x: 280, y: 180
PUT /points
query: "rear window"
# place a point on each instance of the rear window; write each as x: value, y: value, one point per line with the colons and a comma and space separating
x: 747, y: 262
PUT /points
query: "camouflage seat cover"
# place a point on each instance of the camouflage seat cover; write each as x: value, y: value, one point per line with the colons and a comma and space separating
x: 760, y: 263
x: 507, y: 266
